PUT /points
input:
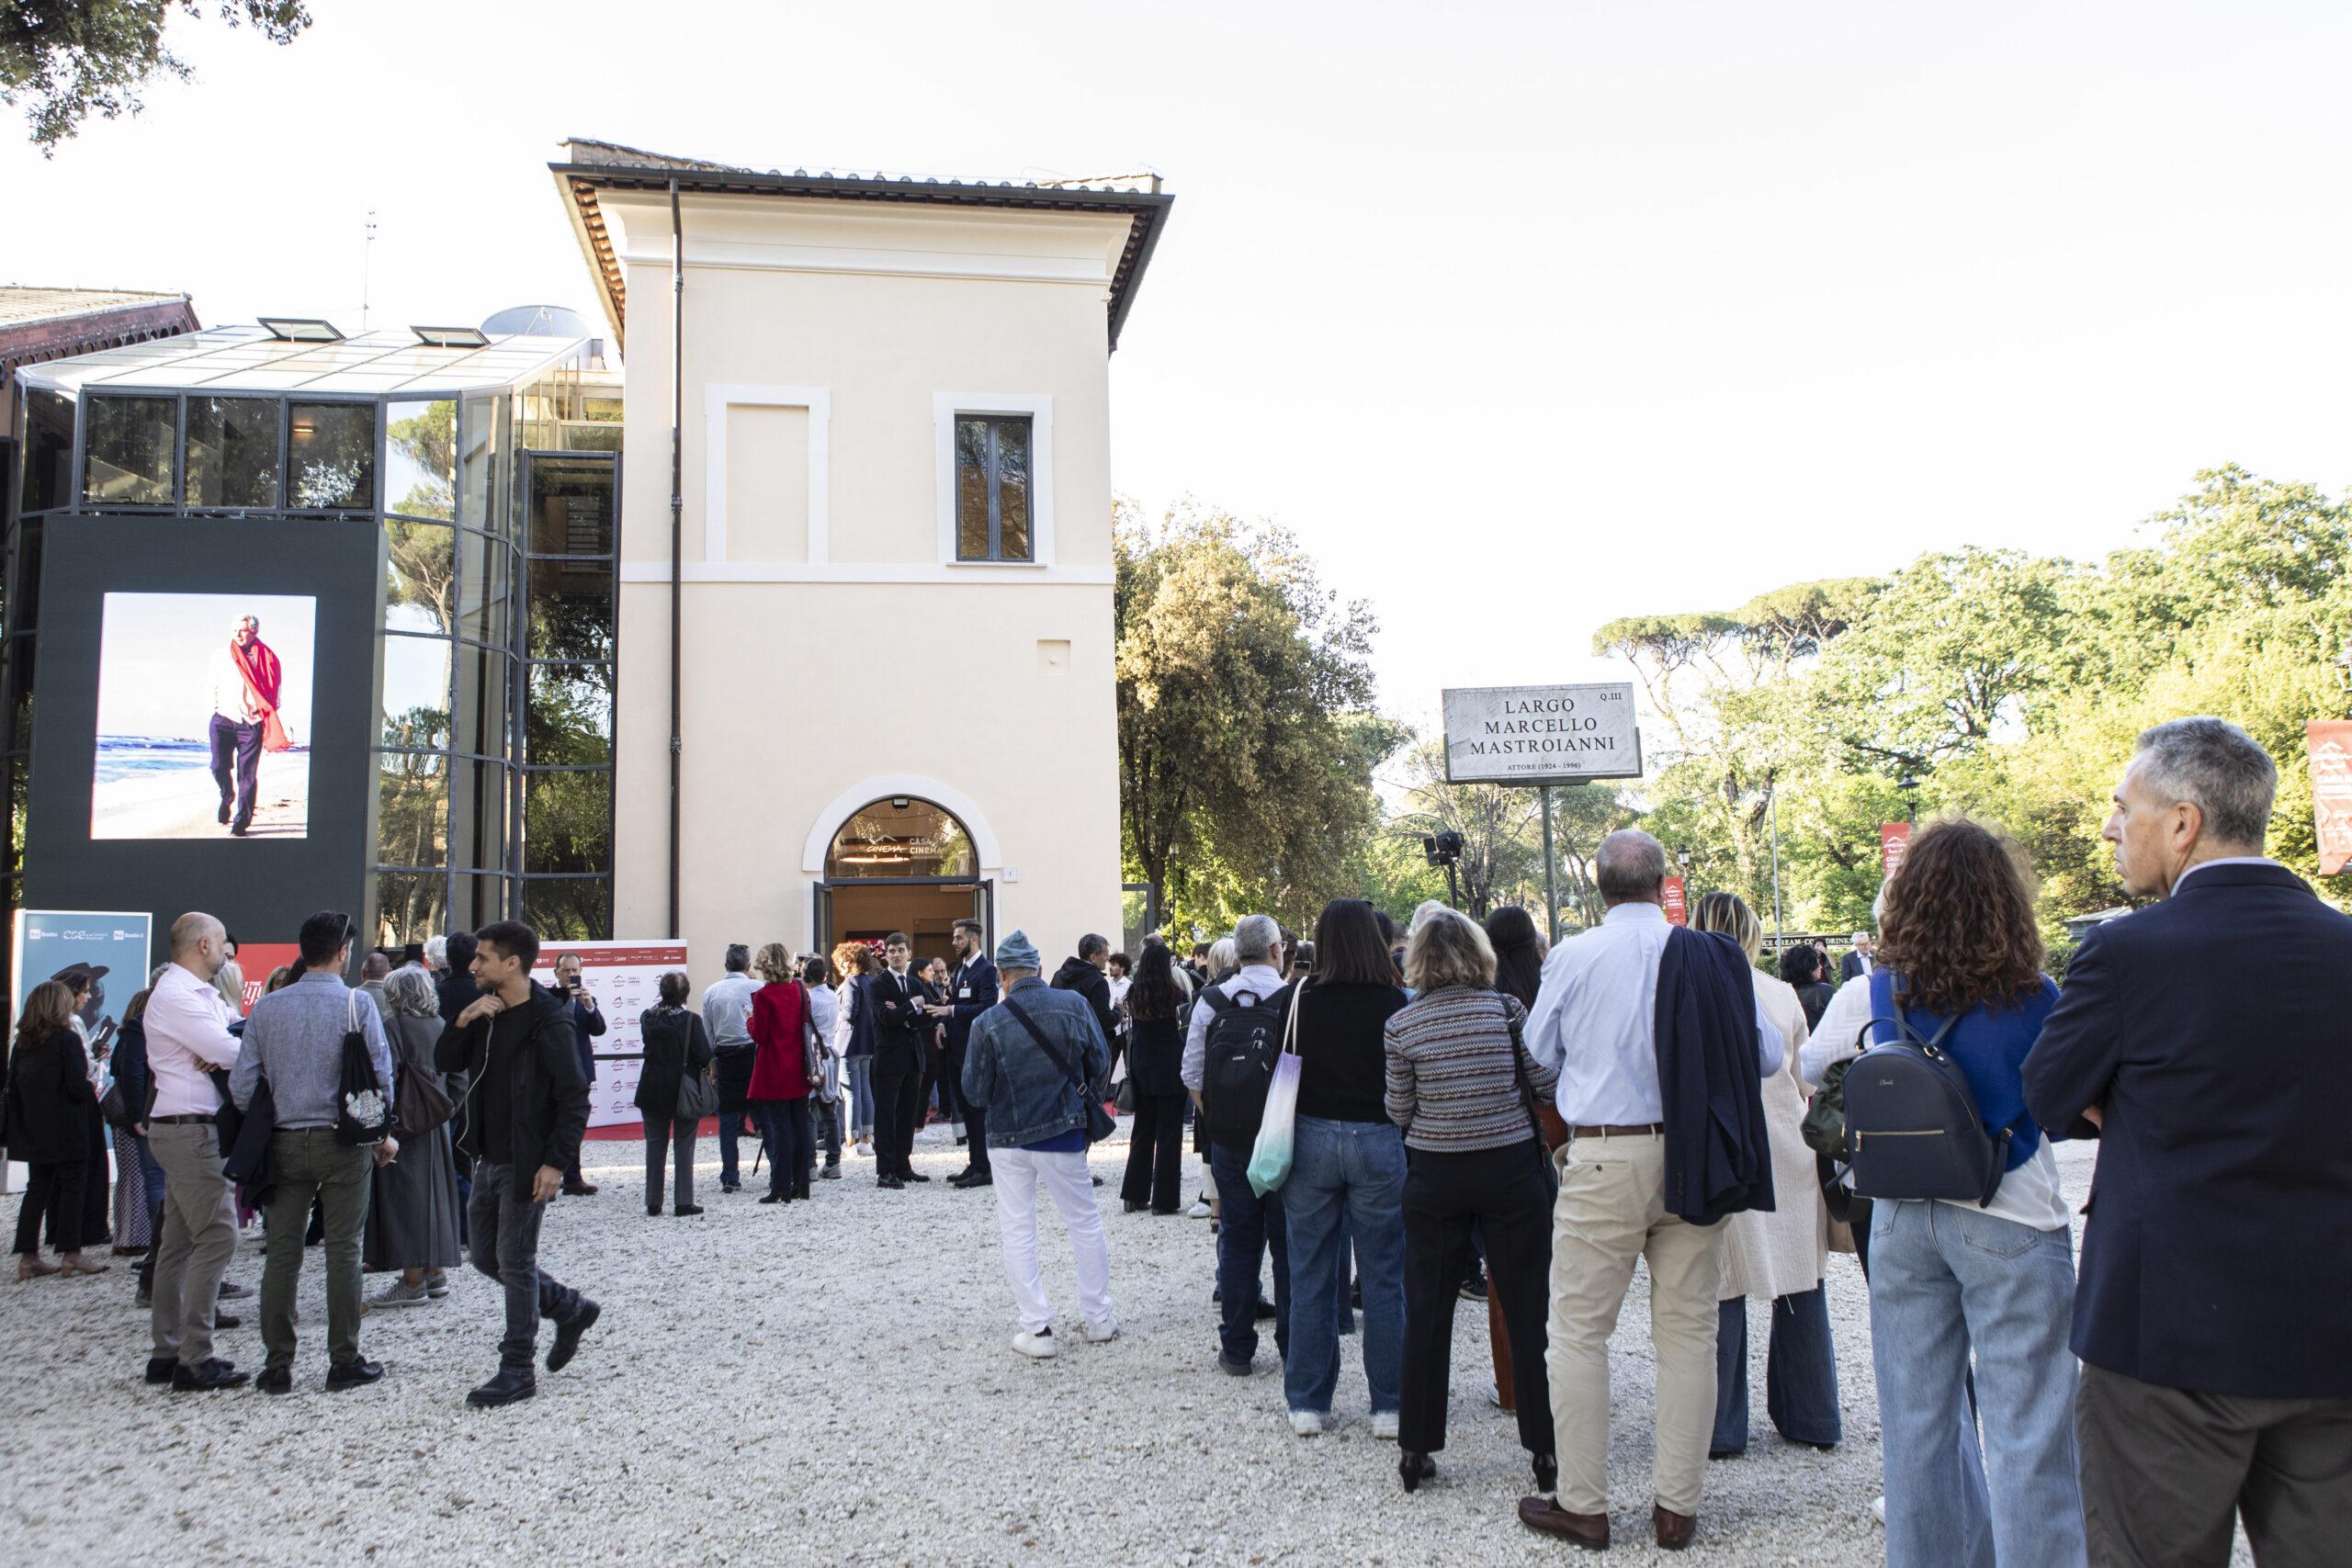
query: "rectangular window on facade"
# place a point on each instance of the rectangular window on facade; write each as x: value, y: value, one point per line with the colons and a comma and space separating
x: 232, y: 452
x: 333, y: 447
x: 128, y: 450
x: 992, y: 488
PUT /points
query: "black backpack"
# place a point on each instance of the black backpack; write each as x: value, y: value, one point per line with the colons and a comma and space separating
x: 1238, y: 1052
x: 1912, y: 1127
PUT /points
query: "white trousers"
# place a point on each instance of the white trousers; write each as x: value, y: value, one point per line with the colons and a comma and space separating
x: 1019, y: 1173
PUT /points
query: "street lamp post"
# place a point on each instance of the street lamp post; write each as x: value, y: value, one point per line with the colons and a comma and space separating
x: 1684, y: 856
x: 1776, y: 866
x: 1910, y: 789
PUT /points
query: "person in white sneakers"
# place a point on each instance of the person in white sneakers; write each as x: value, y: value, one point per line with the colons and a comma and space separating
x: 1027, y: 1064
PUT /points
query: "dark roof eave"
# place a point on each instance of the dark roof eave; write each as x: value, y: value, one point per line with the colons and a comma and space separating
x: 1147, y: 209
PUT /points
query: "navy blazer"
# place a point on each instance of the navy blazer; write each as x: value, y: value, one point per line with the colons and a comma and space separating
x: 1718, y: 1156
x: 2211, y: 1032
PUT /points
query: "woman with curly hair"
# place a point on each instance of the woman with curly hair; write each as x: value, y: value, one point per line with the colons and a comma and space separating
x: 1958, y: 945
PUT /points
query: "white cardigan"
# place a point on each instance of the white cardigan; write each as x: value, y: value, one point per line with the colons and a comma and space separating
x: 1781, y: 1252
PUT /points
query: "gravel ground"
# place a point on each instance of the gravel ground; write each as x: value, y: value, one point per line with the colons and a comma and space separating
x: 831, y: 1379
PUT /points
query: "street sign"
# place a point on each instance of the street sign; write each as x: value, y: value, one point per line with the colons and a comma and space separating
x: 1678, y: 905
x: 1540, y: 735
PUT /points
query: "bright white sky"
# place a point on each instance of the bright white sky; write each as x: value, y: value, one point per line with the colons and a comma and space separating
x: 1522, y: 321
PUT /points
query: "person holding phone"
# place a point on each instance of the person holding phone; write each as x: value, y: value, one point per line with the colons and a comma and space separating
x: 587, y: 1024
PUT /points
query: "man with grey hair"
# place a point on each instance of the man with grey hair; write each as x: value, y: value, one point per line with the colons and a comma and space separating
x: 2202, y: 1042
x: 1858, y: 963
x: 1247, y: 1225
x: 1596, y: 1021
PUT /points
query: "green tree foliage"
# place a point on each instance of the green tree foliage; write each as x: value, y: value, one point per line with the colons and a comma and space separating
x: 2002, y: 683
x: 67, y: 60
x: 1246, y: 736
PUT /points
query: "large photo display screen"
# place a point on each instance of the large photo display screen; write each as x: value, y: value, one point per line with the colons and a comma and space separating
x: 204, y: 717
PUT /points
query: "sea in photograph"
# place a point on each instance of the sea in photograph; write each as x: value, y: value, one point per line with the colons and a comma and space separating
x: 139, y: 756
x: 143, y: 756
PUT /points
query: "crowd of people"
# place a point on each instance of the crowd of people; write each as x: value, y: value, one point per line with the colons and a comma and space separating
x: 1392, y: 1121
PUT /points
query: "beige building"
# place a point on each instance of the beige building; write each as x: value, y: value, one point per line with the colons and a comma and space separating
x: 875, y: 613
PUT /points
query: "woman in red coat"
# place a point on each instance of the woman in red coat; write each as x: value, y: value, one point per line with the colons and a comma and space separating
x: 783, y: 1031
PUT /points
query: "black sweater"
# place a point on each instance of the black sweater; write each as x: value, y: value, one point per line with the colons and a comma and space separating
x: 1343, y: 1066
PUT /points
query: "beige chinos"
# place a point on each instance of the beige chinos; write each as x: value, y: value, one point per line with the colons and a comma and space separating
x: 1610, y: 1211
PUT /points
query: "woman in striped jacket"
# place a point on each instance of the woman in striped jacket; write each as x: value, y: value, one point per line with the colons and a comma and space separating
x: 1460, y: 1084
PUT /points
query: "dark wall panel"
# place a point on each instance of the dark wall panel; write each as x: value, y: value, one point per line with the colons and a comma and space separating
x: 261, y: 888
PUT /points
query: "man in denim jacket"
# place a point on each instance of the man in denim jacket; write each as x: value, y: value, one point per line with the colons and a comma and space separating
x: 1028, y: 1062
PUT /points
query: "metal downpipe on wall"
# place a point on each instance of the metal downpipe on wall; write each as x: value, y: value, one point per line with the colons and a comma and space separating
x: 677, y: 522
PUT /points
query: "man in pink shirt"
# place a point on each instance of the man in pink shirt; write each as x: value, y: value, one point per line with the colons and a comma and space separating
x: 187, y: 1040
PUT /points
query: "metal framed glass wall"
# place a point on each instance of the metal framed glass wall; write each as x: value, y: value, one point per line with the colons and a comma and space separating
x: 571, y: 541
x: 464, y: 658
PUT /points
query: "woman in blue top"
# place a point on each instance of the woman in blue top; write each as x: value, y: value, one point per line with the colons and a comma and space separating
x: 1958, y: 940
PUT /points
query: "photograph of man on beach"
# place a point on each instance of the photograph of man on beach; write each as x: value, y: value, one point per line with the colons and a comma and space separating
x: 204, y: 717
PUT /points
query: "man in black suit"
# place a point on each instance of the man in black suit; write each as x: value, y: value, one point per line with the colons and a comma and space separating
x: 901, y: 1032
x: 971, y: 991
x: 2203, y: 1041
x: 1859, y: 962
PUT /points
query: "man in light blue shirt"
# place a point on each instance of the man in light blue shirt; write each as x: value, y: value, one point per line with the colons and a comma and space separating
x: 726, y: 1017
x: 1595, y: 1020
x: 294, y: 1039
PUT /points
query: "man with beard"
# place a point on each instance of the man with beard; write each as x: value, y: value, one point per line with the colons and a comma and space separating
x: 971, y: 991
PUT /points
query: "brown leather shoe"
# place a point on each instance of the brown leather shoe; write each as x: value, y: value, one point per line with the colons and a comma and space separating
x: 1674, y: 1531
x: 579, y: 1189
x: 1588, y: 1530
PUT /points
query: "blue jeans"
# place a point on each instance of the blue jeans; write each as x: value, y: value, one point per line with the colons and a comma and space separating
x: 1247, y: 1225
x: 1355, y: 1171
x: 861, y: 1097
x: 1944, y: 1279
x: 1800, y: 1372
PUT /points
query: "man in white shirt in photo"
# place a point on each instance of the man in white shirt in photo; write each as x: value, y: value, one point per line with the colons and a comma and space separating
x: 187, y: 1040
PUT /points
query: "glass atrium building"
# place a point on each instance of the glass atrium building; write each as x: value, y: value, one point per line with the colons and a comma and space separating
x: 490, y: 465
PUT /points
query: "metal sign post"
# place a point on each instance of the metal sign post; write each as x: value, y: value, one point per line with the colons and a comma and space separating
x: 1551, y: 872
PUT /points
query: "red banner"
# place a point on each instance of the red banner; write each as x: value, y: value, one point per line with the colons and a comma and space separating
x: 1893, y: 837
x: 1678, y: 912
x: 2329, y: 741
x: 257, y: 959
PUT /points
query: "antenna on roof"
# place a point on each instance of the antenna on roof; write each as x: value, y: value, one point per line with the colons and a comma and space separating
x: 366, y: 267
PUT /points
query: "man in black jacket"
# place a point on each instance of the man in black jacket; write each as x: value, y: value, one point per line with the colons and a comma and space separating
x: 901, y: 1027
x: 971, y: 991
x: 2202, y: 1041
x: 1087, y: 974
x: 529, y: 1108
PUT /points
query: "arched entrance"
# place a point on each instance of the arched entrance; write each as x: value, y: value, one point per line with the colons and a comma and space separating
x: 903, y: 863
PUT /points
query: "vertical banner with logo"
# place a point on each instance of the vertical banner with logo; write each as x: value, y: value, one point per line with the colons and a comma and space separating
x: 50, y: 942
x: 2329, y: 741
x: 1893, y: 837
x: 624, y: 978
x: 1678, y: 911
x: 111, y: 949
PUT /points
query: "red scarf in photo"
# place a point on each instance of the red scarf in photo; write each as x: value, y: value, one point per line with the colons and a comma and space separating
x: 260, y: 669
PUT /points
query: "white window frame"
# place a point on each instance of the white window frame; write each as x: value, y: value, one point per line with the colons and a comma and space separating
x: 1038, y: 408
x: 717, y: 397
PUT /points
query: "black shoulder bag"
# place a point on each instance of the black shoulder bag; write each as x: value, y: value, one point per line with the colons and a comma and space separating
x: 1099, y: 1125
